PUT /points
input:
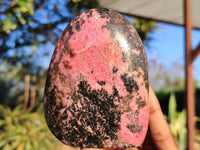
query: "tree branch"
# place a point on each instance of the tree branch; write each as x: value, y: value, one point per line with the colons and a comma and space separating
x: 195, y: 53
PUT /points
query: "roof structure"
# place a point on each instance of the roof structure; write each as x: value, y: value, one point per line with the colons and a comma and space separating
x: 170, y: 11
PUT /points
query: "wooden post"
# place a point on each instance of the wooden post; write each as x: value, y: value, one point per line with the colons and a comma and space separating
x: 189, y: 87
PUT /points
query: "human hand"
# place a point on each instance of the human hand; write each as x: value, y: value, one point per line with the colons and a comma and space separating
x: 159, y: 136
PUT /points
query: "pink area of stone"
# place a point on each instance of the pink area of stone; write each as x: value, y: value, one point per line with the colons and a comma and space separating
x: 124, y: 133
x: 95, y: 54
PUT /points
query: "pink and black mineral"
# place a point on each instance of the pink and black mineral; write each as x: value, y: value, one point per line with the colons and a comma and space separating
x: 96, y: 93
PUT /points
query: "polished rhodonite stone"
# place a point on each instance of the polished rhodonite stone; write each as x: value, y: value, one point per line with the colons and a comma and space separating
x: 96, y: 93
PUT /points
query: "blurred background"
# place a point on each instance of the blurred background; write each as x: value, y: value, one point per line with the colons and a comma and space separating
x: 29, y: 30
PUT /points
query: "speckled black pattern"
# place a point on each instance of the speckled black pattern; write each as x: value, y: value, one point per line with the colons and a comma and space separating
x: 129, y: 83
x: 97, y: 112
x: 115, y: 69
x: 114, y: 19
x: 101, y: 83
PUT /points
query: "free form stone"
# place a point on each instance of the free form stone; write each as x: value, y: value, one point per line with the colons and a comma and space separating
x: 96, y: 93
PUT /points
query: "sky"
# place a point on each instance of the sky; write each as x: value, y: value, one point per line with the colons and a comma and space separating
x: 168, y: 46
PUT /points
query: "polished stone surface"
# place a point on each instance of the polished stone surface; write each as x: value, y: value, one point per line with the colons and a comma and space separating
x: 96, y: 92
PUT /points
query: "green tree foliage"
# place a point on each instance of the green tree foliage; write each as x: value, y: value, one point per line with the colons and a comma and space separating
x: 177, y: 123
x: 164, y: 96
x: 76, y: 6
x: 24, y: 27
x: 144, y: 28
x: 20, y: 131
x: 16, y: 12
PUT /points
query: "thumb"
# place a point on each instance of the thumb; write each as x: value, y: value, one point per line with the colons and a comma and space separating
x: 159, y: 129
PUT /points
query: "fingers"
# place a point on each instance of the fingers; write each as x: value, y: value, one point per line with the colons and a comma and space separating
x: 159, y: 129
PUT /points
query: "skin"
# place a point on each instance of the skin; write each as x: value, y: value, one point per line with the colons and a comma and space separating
x: 159, y: 136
